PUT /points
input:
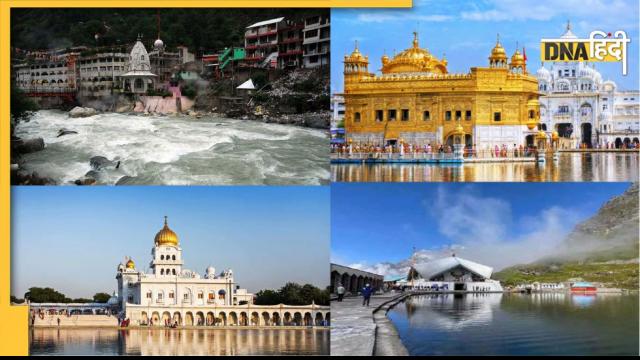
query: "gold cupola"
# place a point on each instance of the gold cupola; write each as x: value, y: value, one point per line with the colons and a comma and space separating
x: 518, y: 63
x: 498, y: 56
x: 130, y: 264
x: 166, y: 236
x: 414, y: 60
x: 356, y: 65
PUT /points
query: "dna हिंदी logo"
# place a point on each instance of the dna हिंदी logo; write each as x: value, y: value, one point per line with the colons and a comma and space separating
x: 599, y: 47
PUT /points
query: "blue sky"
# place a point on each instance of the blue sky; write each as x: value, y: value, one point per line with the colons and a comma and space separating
x: 73, y: 238
x: 496, y: 224
x: 466, y: 31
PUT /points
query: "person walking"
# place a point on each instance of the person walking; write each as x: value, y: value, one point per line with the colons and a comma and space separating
x: 367, y: 291
x: 340, y: 290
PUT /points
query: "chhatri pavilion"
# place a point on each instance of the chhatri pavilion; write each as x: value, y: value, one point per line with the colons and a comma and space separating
x: 416, y: 100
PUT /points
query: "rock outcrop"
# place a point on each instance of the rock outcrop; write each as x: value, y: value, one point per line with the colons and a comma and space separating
x: 80, y: 111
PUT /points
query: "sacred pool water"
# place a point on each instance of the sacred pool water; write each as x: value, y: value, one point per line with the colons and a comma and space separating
x: 570, y: 167
x: 518, y: 324
x: 52, y: 341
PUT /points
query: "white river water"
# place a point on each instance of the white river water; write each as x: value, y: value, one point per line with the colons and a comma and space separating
x: 176, y: 150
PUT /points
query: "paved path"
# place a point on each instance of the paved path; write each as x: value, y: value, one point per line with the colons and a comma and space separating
x: 353, y: 330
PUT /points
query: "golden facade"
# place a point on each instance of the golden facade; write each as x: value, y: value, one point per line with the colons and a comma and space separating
x: 416, y: 100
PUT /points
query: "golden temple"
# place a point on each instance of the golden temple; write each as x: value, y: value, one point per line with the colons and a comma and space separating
x: 416, y: 100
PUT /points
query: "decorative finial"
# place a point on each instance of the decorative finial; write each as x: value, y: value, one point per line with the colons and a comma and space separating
x: 498, y: 39
x: 165, y: 220
x: 356, y: 44
x: 415, y: 39
x: 568, y: 25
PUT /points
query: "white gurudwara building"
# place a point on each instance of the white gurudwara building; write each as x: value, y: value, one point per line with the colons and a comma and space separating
x: 583, y: 108
x: 452, y: 274
x: 172, y: 295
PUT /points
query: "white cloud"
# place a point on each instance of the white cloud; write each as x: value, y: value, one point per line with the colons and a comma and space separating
x: 389, y: 17
x: 482, y: 230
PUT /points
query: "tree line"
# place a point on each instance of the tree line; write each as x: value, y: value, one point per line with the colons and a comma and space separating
x: 49, y: 295
x: 293, y: 294
x: 198, y: 29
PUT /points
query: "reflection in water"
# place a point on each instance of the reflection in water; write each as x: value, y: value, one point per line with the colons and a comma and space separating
x: 179, y: 342
x: 518, y: 324
x: 570, y: 167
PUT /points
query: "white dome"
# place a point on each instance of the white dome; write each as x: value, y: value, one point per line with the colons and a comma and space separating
x: 211, y: 272
x: 158, y: 44
x: 113, y: 300
x: 543, y: 74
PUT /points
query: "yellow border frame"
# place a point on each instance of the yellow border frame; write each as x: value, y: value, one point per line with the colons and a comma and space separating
x: 14, y: 320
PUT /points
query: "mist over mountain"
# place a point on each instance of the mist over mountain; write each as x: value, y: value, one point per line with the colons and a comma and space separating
x: 602, y: 248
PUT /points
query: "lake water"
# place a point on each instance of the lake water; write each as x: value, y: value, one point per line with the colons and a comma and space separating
x: 176, y: 150
x: 518, y: 324
x: 570, y: 167
x: 179, y: 342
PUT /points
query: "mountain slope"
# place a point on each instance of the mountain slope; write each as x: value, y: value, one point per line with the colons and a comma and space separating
x: 602, y: 249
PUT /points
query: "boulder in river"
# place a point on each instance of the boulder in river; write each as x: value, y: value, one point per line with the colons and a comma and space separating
x: 80, y: 111
x: 100, y: 162
x: 63, y: 132
x: 30, y: 145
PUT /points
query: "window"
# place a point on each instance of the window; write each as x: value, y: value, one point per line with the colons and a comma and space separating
x: 458, y: 115
x: 186, y: 296
x: 149, y: 295
x: 497, y: 116
x: 171, y: 295
x: 405, y: 114
x: 356, y: 117
x: 173, y: 258
x: 532, y: 114
x: 161, y: 257
x: 173, y: 271
x: 212, y: 296
x: 392, y: 115
x: 467, y: 115
x: 130, y: 299
x: 161, y: 271
x: 379, y: 115
x: 200, y: 295
x: 447, y: 115
x: 426, y: 116
x: 160, y: 296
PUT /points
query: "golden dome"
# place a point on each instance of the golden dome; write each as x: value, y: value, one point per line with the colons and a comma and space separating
x: 414, y: 59
x: 498, y: 53
x: 166, y: 236
x: 531, y: 124
x: 555, y: 135
x: 541, y: 135
x: 356, y: 56
x: 131, y: 264
x: 517, y: 59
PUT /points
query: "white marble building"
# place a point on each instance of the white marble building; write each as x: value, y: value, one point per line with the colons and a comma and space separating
x: 452, y: 274
x: 585, y: 109
x: 169, y: 294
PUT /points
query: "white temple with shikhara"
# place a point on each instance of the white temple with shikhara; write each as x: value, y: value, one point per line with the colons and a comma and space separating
x: 139, y: 78
x: 452, y: 274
